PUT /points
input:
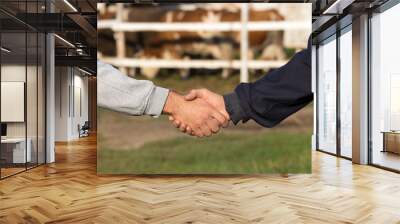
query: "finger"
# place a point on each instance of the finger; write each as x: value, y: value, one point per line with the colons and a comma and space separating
x: 176, y: 123
x: 205, y: 130
x: 225, y: 114
x: 226, y: 124
x: 219, y: 117
x: 182, y: 127
x: 213, y: 125
x: 191, y: 95
x: 171, y: 118
x: 188, y: 130
x: 198, y: 132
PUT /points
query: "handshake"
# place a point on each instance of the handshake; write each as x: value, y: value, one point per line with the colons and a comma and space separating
x: 199, y: 113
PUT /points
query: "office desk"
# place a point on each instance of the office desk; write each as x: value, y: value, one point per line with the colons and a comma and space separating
x: 13, y: 150
x: 391, y: 141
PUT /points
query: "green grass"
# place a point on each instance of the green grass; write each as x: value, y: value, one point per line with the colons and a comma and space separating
x: 222, y: 154
x: 211, y: 80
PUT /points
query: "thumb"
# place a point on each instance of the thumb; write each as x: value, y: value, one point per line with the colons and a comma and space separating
x: 191, y: 95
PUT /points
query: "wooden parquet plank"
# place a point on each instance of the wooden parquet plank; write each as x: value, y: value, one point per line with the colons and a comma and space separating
x: 70, y: 191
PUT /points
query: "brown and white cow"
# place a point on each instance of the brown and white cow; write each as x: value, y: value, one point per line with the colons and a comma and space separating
x: 220, y: 45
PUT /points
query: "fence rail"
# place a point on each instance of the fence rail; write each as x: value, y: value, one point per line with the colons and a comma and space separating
x: 182, y: 64
x: 118, y: 26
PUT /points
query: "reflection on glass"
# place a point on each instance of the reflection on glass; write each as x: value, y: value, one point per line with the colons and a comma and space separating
x: 15, y: 151
x: 22, y: 88
x: 395, y: 102
x: 327, y: 97
x: 385, y: 114
x: 346, y: 94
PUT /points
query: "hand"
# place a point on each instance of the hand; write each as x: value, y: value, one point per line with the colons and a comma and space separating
x: 197, y: 115
x: 215, y: 100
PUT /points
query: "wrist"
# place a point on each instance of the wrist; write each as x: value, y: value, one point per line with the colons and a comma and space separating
x: 223, y: 108
x: 233, y: 107
x: 172, y: 102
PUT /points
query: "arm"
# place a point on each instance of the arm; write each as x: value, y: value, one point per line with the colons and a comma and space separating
x: 276, y: 96
x: 118, y: 92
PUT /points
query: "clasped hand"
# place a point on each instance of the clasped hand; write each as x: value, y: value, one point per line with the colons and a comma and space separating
x: 199, y: 113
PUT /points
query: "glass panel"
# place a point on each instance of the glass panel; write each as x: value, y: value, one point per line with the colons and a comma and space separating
x: 327, y: 97
x: 31, y: 98
x: 32, y: 89
x: 41, y: 99
x: 346, y: 94
x: 13, y: 86
x: 23, y: 87
x: 385, y: 84
x: 2, y: 161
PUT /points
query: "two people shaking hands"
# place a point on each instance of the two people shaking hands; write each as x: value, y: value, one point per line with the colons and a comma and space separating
x: 201, y: 112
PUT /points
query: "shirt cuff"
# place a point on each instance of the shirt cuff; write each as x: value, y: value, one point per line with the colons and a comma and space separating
x: 233, y: 107
x: 157, y: 101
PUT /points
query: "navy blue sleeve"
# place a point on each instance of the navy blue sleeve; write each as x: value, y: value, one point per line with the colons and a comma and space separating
x: 275, y: 96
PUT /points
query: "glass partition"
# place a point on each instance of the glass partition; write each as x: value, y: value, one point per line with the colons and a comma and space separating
x: 31, y: 100
x: 35, y: 50
x: 22, y: 77
x: 41, y: 97
x: 346, y: 93
x: 14, y: 151
x: 326, y: 59
x: 385, y: 89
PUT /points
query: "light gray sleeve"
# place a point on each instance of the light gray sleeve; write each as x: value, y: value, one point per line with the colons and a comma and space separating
x: 121, y: 93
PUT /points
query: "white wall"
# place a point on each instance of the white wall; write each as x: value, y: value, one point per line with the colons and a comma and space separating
x: 33, y: 126
x: 70, y: 83
x: 12, y: 73
x: 62, y: 82
x: 80, y: 83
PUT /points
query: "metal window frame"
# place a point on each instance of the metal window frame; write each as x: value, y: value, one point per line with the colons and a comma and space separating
x: 332, y: 33
x: 381, y: 9
x: 340, y: 33
x: 338, y: 29
x: 325, y: 40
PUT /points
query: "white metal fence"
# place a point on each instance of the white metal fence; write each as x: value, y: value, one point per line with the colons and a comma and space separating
x: 244, y: 26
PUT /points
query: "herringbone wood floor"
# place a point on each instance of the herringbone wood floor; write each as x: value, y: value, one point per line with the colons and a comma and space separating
x: 69, y: 191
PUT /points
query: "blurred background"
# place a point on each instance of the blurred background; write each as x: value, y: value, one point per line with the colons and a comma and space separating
x: 214, y: 46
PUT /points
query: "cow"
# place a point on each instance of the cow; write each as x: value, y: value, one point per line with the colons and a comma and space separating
x: 165, y: 52
x: 217, y: 44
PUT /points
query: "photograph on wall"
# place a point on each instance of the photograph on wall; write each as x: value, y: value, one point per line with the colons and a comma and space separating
x: 217, y: 88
